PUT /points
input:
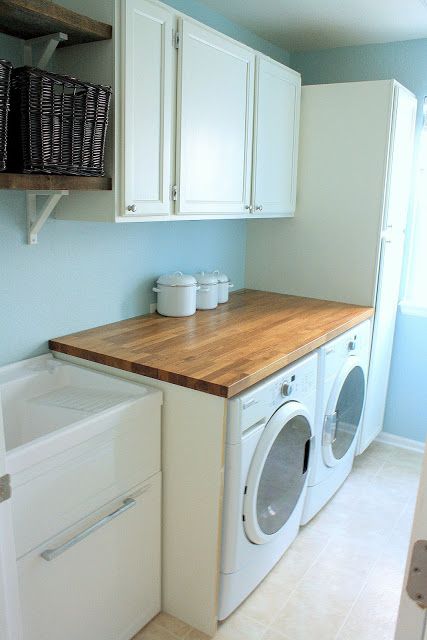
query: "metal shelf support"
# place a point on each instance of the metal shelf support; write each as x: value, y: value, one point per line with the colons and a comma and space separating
x: 36, y: 219
x: 49, y: 44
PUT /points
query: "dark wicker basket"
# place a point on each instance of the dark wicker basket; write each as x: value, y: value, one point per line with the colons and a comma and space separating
x: 59, y: 123
x: 5, y: 71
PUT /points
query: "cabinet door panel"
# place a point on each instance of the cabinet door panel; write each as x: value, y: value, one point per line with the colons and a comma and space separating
x: 277, y: 92
x: 215, y: 116
x: 104, y: 587
x: 148, y: 114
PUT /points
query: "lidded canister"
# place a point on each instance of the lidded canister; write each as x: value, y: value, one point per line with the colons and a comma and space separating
x: 207, y: 294
x: 176, y: 294
x: 224, y: 286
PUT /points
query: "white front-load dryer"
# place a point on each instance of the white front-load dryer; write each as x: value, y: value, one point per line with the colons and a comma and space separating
x: 267, y: 458
x: 342, y: 376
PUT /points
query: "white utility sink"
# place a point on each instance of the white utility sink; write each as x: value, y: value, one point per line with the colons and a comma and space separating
x: 75, y: 440
x: 49, y: 405
x: 83, y: 453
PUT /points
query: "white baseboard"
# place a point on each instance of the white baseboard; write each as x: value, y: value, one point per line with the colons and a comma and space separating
x: 400, y: 441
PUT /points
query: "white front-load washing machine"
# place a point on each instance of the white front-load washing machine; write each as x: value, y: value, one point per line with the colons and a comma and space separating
x: 267, y: 457
x: 342, y: 376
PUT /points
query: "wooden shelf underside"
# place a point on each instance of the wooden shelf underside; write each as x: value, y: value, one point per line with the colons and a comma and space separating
x: 34, y: 18
x: 42, y: 182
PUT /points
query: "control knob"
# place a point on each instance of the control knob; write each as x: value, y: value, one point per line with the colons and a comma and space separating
x: 286, y: 389
x: 352, y: 345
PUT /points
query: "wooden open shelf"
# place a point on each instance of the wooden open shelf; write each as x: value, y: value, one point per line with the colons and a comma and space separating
x: 34, y: 18
x: 42, y: 182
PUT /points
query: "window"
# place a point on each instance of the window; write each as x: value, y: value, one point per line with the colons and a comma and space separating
x: 416, y: 283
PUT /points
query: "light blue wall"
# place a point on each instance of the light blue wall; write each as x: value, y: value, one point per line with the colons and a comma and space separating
x: 406, y: 413
x: 81, y: 274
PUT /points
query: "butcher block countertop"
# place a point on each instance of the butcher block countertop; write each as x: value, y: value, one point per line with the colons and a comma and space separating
x: 222, y: 351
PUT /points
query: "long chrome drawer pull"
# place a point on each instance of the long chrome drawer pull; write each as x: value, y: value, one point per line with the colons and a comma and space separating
x: 51, y: 554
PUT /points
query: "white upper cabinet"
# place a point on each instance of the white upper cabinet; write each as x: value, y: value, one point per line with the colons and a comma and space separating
x: 277, y: 109
x: 148, y: 67
x: 214, y: 122
x: 207, y: 127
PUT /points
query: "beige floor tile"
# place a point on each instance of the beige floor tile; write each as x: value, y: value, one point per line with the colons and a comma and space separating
x: 267, y: 600
x: 411, y: 459
x: 311, y: 542
x: 153, y: 632
x: 194, y: 634
x: 379, y: 451
x: 330, y: 586
x: 239, y: 627
x: 270, y: 634
x: 398, y: 481
x: 291, y: 568
x: 373, y: 617
x: 172, y: 624
x: 301, y: 620
x: 369, y: 464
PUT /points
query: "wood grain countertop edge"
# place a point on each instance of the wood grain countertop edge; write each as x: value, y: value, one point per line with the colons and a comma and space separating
x: 208, y: 386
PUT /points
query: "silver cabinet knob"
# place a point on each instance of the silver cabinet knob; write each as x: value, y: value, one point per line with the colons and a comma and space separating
x: 352, y: 345
x: 286, y: 389
x: 258, y: 207
x: 131, y: 207
x: 248, y: 207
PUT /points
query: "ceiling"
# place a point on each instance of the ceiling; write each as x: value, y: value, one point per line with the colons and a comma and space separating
x: 304, y: 25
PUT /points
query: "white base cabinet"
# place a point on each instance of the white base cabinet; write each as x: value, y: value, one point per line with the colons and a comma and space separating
x: 105, y: 587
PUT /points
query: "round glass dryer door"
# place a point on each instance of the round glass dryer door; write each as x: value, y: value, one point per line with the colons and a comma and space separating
x: 278, y: 473
x: 344, y: 412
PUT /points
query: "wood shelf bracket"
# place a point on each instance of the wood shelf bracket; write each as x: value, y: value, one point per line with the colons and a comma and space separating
x: 48, y: 46
x: 37, y: 218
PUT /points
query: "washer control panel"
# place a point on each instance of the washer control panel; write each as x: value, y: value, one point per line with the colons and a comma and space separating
x: 297, y: 382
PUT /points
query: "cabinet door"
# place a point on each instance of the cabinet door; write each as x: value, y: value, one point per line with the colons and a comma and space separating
x: 398, y: 192
x: 105, y: 583
x: 215, y: 121
x: 148, y: 53
x: 277, y: 108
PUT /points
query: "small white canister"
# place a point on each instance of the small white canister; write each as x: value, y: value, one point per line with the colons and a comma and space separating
x: 176, y: 294
x: 224, y: 286
x: 207, y: 294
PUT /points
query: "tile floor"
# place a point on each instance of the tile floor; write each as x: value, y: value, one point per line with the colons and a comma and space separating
x: 342, y: 577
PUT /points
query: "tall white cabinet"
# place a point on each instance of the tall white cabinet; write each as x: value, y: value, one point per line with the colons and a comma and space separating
x: 215, y: 106
x: 397, y: 193
x: 346, y: 240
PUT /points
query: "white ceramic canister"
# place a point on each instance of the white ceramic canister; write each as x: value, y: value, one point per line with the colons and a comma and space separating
x: 207, y: 294
x: 224, y: 286
x: 176, y: 294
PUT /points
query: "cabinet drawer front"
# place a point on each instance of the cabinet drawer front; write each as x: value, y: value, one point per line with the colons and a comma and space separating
x: 148, y: 66
x: 63, y: 489
x: 107, y: 586
x: 215, y: 121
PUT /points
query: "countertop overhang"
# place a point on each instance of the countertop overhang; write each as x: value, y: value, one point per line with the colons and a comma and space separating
x: 222, y: 351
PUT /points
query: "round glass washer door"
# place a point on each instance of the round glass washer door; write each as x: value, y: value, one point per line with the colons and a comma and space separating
x: 344, y: 412
x: 278, y: 473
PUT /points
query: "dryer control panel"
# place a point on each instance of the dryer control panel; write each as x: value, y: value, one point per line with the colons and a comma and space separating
x: 355, y: 342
